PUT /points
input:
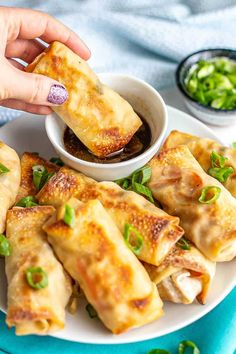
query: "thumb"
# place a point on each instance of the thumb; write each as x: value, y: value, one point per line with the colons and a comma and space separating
x: 33, y: 88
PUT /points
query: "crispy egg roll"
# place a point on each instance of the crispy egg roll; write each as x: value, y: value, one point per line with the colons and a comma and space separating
x: 28, y: 160
x: 34, y: 311
x: 98, y: 116
x: 159, y: 230
x: 201, y: 148
x: 177, y: 182
x: 9, y: 180
x: 183, y: 276
x: 95, y: 254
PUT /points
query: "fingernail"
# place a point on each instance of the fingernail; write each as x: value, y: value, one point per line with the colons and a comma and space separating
x: 57, y: 94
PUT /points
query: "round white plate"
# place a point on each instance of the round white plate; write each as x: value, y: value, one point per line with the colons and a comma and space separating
x: 28, y: 134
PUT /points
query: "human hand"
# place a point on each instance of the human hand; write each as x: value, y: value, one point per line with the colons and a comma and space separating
x: 19, y: 29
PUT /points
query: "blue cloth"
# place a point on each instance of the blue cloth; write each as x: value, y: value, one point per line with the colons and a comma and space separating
x: 145, y: 38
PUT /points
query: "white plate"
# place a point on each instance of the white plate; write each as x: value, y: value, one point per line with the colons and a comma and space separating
x: 28, y: 134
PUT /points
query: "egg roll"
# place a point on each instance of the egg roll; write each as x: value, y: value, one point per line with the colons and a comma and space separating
x: 28, y: 160
x: 9, y: 180
x: 160, y: 231
x: 201, y: 148
x: 177, y: 182
x: 95, y: 254
x: 30, y: 310
x: 98, y: 116
x: 184, y: 275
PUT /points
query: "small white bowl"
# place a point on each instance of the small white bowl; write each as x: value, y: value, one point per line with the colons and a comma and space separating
x: 145, y: 100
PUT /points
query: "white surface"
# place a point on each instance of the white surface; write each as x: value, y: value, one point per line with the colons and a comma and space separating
x: 146, y: 101
x: 28, y: 134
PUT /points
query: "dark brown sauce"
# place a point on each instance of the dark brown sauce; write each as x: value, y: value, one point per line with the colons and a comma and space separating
x: 137, y: 145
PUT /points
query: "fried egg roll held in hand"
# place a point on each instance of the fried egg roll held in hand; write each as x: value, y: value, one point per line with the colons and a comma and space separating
x: 93, y: 251
x: 185, y: 275
x: 38, y: 287
x: 207, y: 210
x: 9, y: 180
x: 98, y: 116
x: 160, y: 231
x: 202, y: 149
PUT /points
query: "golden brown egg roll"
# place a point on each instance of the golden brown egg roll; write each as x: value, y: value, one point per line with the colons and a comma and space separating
x: 201, y: 148
x: 9, y: 180
x: 177, y: 182
x: 159, y: 230
x: 98, y: 116
x: 30, y: 310
x: 95, y: 254
x: 184, y: 275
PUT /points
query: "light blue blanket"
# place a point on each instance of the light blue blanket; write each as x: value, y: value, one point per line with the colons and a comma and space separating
x: 145, y: 38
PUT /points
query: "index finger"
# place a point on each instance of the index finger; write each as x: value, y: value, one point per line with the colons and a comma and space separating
x: 29, y: 24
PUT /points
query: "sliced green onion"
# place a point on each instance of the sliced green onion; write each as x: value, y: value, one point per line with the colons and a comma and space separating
x: 217, y: 160
x: 5, y: 246
x: 184, y: 244
x: 212, y: 190
x: 57, y: 161
x: 91, y: 311
x: 27, y: 202
x: 36, y: 277
x: 69, y: 217
x: 130, y: 229
x: 40, y: 176
x: 3, y: 169
x: 158, y: 351
x: 143, y: 190
x: 142, y: 175
x: 188, y: 344
x: 221, y: 174
x: 234, y: 145
x: 123, y: 183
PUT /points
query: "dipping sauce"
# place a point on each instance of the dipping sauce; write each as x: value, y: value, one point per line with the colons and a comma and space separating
x: 137, y: 145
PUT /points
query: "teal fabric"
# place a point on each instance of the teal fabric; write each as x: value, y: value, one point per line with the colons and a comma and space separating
x: 215, y: 333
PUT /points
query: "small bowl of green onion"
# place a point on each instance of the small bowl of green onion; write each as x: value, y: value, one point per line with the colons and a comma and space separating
x: 207, y: 81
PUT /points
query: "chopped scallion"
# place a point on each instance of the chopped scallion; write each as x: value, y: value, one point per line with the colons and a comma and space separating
x: 217, y: 160
x: 184, y: 244
x: 36, y: 277
x: 91, y: 311
x: 188, y: 344
x: 69, y: 216
x: 5, y: 246
x: 3, y: 169
x: 57, y: 161
x: 27, y: 202
x: 129, y: 230
x: 221, y: 174
x: 209, y: 194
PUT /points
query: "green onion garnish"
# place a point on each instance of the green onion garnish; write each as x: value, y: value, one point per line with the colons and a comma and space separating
x: 217, y: 160
x: 136, y: 182
x: 5, y: 246
x: 3, y: 169
x: 40, y: 176
x: 143, y: 190
x: 142, y: 175
x: 36, y: 277
x: 158, y: 351
x: 209, y: 194
x: 188, y: 344
x: 212, y: 83
x: 234, y: 145
x: 184, y: 244
x: 57, y: 161
x: 27, y: 202
x: 221, y: 174
x: 91, y: 311
x: 130, y: 229
x: 69, y: 217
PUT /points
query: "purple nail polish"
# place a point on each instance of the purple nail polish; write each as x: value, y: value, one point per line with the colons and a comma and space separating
x: 57, y: 94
